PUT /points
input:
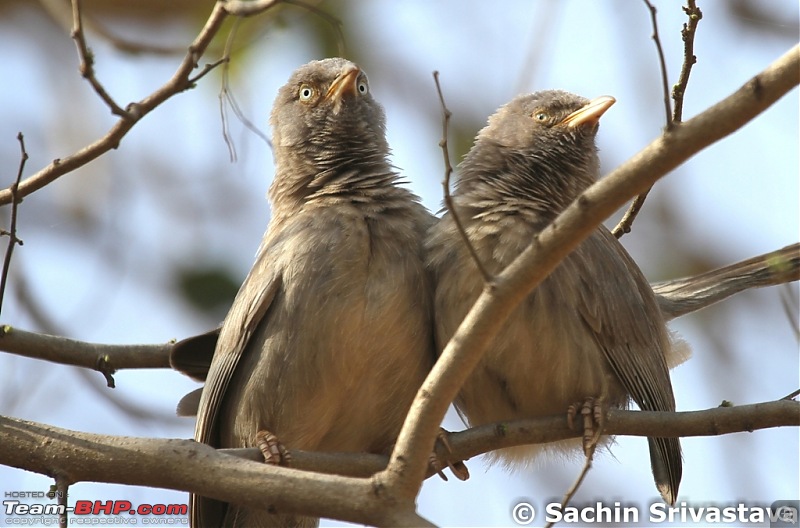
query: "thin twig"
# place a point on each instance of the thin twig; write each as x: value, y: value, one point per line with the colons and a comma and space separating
x: 12, y: 229
x: 587, y: 465
x: 662, y: 63
x: 62, y: 492
x: 87, y: 62
x: 626, y: 222
x: 689, y: 59
x: 678, y: 91
x: 448, y: 171
x: 226, y: 95
x: 180, y: 81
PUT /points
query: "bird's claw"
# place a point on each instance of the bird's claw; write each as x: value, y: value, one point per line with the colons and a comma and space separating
x: 438, y: 463
x: 274, y: 452
x: 591, y: 411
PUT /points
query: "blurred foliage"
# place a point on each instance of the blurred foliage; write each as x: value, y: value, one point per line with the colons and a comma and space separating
x: 209, y: 289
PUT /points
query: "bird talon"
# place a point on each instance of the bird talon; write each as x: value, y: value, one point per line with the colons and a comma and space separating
x: 273, y: 450
x: 592, y: 414
x: 458, y: 468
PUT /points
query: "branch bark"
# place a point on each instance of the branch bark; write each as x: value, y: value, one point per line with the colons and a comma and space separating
x: 189, y: 466
x: 406, y: 469
x: 677, y: 297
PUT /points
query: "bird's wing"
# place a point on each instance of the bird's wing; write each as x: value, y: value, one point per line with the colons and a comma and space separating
x: 628, y: 328
x: 622, y: 322
x: 248, y: 310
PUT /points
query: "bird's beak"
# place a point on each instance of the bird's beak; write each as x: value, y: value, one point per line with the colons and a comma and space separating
x: 344, y: 83
x: 590, y: 114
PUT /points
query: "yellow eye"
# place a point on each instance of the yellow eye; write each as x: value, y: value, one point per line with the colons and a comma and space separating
x: 306, y: 93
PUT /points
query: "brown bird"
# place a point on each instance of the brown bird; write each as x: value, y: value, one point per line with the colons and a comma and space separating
x: 592, y: 331
x: 330, y: 336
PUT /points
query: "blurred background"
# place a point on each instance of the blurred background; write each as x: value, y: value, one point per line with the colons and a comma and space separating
x: 150, y: 242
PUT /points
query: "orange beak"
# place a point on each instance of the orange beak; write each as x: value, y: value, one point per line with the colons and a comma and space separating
x: 344, y: 83
x: 590, y: 114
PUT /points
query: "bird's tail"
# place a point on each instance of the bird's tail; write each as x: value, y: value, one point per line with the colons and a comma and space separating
x: 667, y: 464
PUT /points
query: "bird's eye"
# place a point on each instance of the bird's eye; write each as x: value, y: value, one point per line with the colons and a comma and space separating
x: 306, y: 93
x: 363, y: 89
x: 540, y: 117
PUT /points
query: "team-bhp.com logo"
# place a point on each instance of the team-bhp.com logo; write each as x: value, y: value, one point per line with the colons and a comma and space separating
x: 85, y: 507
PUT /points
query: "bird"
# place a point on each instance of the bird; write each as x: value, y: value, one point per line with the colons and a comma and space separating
x: 591, y: 334
x: 331, y: 333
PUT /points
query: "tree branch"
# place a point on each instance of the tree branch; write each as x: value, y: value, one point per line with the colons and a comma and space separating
x: 448, y: 172
x: 192, y: 356
x: 678, y: 93
x: 102, y: 358
x: 87, y: 62
x: 13, y: 239
x: 181, y: 80
x: 189, y: 466
x: 409, y: 458
x: 687, y: 35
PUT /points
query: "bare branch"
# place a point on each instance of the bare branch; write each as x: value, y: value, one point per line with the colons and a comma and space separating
x: 103, y: 358
x: 87, y: 62
x: 626, y: 222
x: 689, y: 59
x: 180, y: 81
x: 190, y: 466
x: 448, y: 171
x: 12, y: 228
x: 662, y: 63
x: 587, y: 465
x: 409, y: 459
x: 479, y: 440
x: 678, y: 92
x: 192, y: 356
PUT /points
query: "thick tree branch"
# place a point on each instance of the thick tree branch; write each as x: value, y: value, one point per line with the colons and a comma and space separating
x: 189, y: 466
x: 409, y: 459
x: 181, y: 80
x: 185, y: 465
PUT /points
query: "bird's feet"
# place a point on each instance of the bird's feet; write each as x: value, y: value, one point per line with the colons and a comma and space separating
x: 274, y: 452
x: 593, y: 414
x: 438, y: 463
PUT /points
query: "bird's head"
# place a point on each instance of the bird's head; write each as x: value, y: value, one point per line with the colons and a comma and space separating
x: 325, y: 114
x: 538, y: 149
x: 546, y: 120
